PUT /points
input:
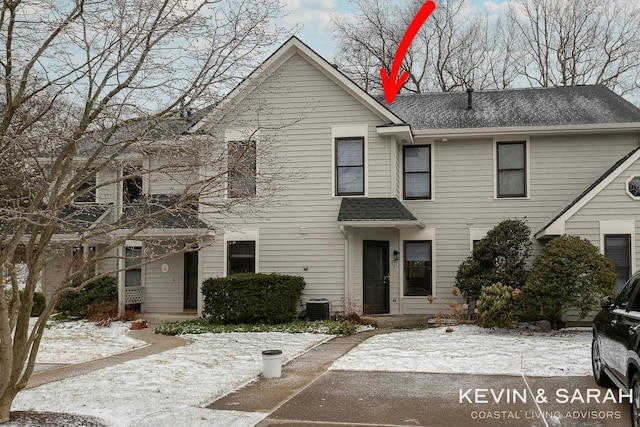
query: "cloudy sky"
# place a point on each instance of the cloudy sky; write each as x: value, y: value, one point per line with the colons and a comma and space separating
x: 313, y: 16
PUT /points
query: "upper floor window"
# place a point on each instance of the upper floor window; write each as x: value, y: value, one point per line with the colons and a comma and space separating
x: 131, y: 185
x: 417, y: 172
x: 349, y: 166
x: 511, y: 169
x: 242, y: 169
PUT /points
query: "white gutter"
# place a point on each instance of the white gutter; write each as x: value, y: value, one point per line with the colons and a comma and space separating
x: 528, y: 130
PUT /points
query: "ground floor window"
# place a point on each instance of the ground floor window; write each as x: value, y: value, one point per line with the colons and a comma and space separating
x: 241, y: 257
x: 417, y: 268
x: 617, y: 247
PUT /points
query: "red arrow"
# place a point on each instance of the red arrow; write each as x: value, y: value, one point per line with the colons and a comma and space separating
x: 391, y: 83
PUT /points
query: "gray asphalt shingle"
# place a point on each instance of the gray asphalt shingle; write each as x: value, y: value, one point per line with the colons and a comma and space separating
x: 571, y: 105
x: 373, y: 209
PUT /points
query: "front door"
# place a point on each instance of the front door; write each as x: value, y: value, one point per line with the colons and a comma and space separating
x: 375, y: 277
x: 190, y: 280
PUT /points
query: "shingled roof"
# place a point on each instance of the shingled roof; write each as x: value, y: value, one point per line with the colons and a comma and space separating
x: 373, y: 209
x: 570, y: 105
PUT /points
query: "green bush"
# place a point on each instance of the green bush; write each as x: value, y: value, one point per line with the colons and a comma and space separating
x: 500, y: 257
x: 75, y: 303
x: 569, y: 273
x: 497, y: 306
x: 252, y: 298
x: 39, y: 302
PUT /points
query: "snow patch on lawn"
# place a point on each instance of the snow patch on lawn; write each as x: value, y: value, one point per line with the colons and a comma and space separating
x: 474, y: 350
x: 80, y: 341
x: 169, y: 387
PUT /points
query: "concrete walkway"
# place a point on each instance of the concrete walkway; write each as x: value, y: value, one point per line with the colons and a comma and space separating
x: 156, y: 343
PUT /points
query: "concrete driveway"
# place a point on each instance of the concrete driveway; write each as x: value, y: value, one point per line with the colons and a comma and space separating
x: 308, y: 395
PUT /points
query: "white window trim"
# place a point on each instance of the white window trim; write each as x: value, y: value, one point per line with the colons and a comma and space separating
x: 431, y: 144
x: 476, y: 234
x: 422, y: 235
x: 626, y: 187
x: 248, y: 235
x: 349, y: 131
x: 243, y: 134
x: 527, y: 147
x: 608, y: 227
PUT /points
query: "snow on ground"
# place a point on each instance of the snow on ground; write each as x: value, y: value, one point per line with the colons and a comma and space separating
x: 77, y: 342
x: 171, y: 387
x: 473, y: 350
x: 167, y: 388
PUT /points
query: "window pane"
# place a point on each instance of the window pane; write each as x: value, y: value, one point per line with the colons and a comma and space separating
x: 511, y: 156
x: 417, y: 251
x: 416, y: 159
x: 349, y: 152
x: 417, y: 185
x: 511, y: 183
x: 242, y: 168
x: 350, y: 180
x: 618, y: 250
x: 241, y: 257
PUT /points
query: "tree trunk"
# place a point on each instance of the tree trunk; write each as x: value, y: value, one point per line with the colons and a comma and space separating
x: 5, y: 404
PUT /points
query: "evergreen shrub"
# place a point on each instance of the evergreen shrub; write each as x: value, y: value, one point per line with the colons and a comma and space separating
x: 252, y: 298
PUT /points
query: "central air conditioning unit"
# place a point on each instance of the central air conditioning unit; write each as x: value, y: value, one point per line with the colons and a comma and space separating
x: 318, y: 309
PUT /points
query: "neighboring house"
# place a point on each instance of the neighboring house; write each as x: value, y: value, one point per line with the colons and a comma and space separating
x: 385, y: 202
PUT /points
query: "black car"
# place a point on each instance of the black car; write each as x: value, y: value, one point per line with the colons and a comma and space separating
x: 615, y: 357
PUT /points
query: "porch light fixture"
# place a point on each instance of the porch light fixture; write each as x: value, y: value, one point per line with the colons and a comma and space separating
x: 396, y: 255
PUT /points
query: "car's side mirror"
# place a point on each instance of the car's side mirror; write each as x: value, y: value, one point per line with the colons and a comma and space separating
x: 605, y: 303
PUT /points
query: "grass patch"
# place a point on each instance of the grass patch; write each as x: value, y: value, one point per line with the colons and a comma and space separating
x: 200, y: 326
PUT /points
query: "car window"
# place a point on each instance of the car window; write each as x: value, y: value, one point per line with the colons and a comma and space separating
x: 622, y: 301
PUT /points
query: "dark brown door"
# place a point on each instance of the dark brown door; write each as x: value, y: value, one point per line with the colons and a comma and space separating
x: 190, y: 280
x: 376, y: 277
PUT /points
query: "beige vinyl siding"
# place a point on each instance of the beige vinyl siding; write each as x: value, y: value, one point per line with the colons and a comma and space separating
x: 586, y: 222
x: 169, y: 176
x: 561, y: 167
x: 107, y: 191
x: 165, y: 291
x: 304, y: 145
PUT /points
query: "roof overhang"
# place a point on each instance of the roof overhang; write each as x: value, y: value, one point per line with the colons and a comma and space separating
x: 528, y: 130
x: 166, y: 232
x: 402, y: 132
x: 383, y: 224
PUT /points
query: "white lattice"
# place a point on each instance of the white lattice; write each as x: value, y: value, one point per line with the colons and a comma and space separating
x: 134, y: 295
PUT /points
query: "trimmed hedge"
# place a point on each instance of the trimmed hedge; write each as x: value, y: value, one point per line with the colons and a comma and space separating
x: 252, y: 298
x: 74, y: 303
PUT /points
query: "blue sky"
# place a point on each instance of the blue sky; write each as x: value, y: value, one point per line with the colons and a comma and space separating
x: 313, y: 16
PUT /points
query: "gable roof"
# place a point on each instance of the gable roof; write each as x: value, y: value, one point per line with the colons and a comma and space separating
x: 291, y: 47
x: 554, y: 107
x: 556, y: 226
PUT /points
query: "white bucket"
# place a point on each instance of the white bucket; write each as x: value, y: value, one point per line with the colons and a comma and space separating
x: 272, y: 363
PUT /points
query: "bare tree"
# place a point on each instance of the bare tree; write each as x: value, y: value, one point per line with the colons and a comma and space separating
x: 90, y: 88
x: 452, y: 49
x: 566, y: 42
